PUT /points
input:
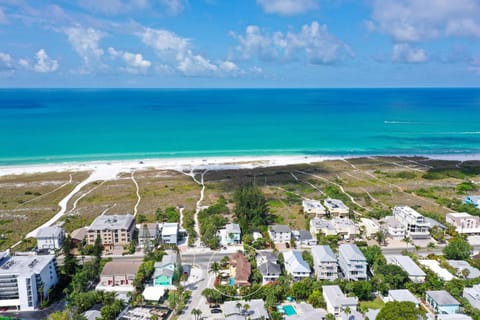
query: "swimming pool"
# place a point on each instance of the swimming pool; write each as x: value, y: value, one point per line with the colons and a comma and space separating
x: 289, y: 310
x: 231, y: 281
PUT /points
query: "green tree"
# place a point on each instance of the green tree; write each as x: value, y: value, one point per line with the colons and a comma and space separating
x: 307, y: 256
x: 196, y: 313
x: 457, y: 249
x: 362, y: 290
x: 380, y: 237
x: 390, y: 276
x: 316, y: 299
x: 400, y: 311
x: 251, y: 208
x: 69, y: 262
x: 374, y: 255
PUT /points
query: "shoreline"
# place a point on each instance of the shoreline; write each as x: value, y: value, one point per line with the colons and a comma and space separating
x: 110, y: 169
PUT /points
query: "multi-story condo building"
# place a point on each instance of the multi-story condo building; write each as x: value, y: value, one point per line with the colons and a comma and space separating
x: 394, y: 228
x: 352, y: 262
x: 464, y: 222
x: 416, y: 226
x: 112, y: 230
x: 26, y: 280
x: 325, y: 263
x: 148, y: 233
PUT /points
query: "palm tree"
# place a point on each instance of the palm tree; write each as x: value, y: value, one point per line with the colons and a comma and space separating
x: 407, y: 240
x: 196, y: 313
x: 380, y: 237
x: 465, y: 273
x: 246, y: 307
x: 239, y: 307
x: 214, y: 268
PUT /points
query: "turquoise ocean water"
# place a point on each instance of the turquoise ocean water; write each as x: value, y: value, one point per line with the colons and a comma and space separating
x: 63, y: 125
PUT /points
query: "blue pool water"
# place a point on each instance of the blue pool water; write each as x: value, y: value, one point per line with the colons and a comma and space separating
x: 231, y: 281
x: 289, y: 310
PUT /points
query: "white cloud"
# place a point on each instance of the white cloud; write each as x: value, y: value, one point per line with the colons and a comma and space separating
x: 24, y: 63
x: 44, y: 63
x: 403, y: 52
x: 173, y: 7
x: 3, y: 17
x: 176, y: 51
x: 5, y: 59
x: 420, y: 20
x: 313, y: 41
x: 287, y: 7
x: 85, y: 41
x: 114, y: 7
x: 134, y: 62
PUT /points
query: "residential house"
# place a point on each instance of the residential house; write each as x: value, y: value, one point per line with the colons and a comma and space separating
x: 267, y: 264
x: 442, y: 302
x: 233, y: 234
x: 169, y: 233
x: 370, y: 227
x: 240, y: 269
x: 313, y: 206
x: 318, y: 225
x: 415, y: 224
x: 336, y: 301
x: 325, y: 263
x: 118, y: 275
x: 25, y: 281
x: 464, y: 223
x: 306, y: 311
x: 303, y: 238
x: 474, y: 200
x: 336, y: 207
x: 280, y: 233
x: 351, y: 315
x: 50, y: 238
x: 435, y: 267
x: 473, y: 295
x: 78, y: 235
x: 461, y: 265
x: 112, y: 229
x: 255, y: 311
x: 166, y: 271
x: 415, y: 273
x: 352, y: 262
x: 148, y: 234
x: 345, y: 228
x: 394, y: 229
x: 401, y: 295
x: 295, y: 265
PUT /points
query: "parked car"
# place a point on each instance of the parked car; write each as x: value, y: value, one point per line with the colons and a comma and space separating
x: 212, y: 306
x: 216, y: 311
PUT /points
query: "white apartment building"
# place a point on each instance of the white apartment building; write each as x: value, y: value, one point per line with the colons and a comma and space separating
x: 464, y: 223
x: 336, y: 301
x: 352, y: 262
x: 336, y: 207
x: 295, y: 265
x: 394, y: 229
x: 324, y: 263
x: 26, y: 280
x: 170, y: 233
x: 50, y: 238
x: 415, y: 224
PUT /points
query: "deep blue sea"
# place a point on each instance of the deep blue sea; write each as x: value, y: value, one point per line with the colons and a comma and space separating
x: 58, y: 125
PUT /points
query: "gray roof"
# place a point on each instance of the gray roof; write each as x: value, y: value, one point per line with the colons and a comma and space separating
x: 294, y: 262
x: 269, y: 268
x: 113, y: 222
x: 162, y: 272
x: 310, y: 315
x: 323, y: 254
x: 442, y: 297
x: 402, y: 295
x: 92, y: 314
x: 232, y: 228
x: 267, y: 255
x: 280, y: 228
x: 372, y: 314
x: 49, y: 232
x: 407, y: 264
x: 351, y: 252
x: 391, y: 221
x: 25, y: 265
x: 434, y: 223
x: 460, y: 265
x: 304, y: 235
x: 169, y: 258
x: 353, y: 315
x: 256, y: 309
x: 337, y: 298
x: 321, y: 224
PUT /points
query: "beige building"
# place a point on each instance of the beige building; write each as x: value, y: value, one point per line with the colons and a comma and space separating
x: 119, y: 275
x: 113, y: 230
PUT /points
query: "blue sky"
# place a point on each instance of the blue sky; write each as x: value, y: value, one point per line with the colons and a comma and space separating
x: 239, y: 43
